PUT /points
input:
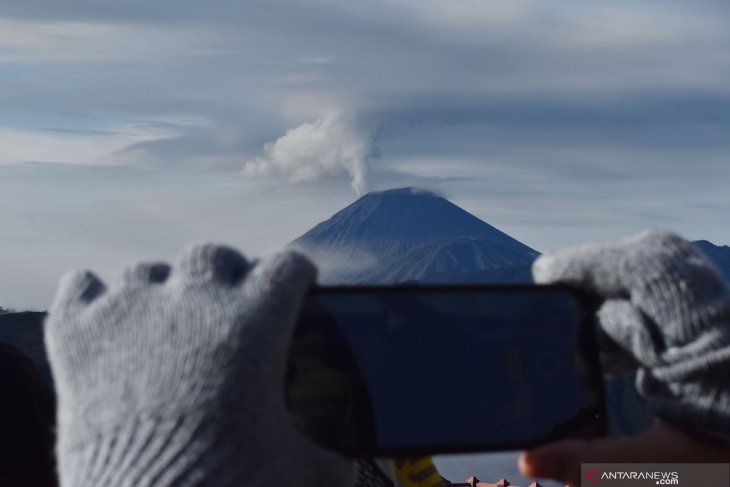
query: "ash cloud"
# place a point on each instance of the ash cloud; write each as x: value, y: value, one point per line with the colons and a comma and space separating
x: 338, y: 265
x: 334, y: 144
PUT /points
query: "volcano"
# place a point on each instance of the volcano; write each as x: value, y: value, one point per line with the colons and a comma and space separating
x: 410, y: 235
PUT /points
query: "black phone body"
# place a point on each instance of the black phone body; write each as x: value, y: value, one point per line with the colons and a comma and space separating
x: 410, y: 370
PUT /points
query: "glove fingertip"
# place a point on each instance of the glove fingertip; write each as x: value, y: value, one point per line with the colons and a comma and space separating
x: 559, y: 267
x: 543, y: 270
x: 77, y: 288
x: 288, y: 271
x: 593, y: 268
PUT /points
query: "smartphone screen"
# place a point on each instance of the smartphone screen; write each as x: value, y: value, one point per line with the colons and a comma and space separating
x: 406, y: 370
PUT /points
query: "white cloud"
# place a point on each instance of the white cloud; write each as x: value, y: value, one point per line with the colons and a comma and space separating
x: 72, y: 147
x: 339, y: 265
x: 331, y: 145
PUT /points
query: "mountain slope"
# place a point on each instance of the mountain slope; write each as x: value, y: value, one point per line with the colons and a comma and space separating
x: 453, y: 258
x: 718, y: 254
x: 24, y: 330
x: 404, y: 235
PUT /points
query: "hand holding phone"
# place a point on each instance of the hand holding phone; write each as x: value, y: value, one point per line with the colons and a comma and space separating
x: 664, y: 311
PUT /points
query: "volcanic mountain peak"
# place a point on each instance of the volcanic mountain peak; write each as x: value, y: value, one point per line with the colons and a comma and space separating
x: 406, y: 234
x: 409, y: 215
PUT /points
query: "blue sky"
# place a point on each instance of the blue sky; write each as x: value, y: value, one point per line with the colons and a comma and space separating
x: 131, y: 128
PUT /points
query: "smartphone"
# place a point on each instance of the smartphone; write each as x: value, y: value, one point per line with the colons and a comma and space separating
x: 410, y: 370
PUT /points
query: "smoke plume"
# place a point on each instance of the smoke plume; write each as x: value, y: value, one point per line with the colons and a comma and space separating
x: 330, y: 145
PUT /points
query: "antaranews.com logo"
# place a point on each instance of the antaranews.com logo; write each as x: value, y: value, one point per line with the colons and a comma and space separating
x: 661, y: 478
x: 652, y: 474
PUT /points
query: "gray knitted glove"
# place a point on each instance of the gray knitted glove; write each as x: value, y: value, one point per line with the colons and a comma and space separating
x: 665, y: 312
x: 175, y: 376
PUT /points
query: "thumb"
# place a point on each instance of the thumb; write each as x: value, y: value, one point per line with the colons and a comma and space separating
x: 593, y: 268
x: 274, y: 292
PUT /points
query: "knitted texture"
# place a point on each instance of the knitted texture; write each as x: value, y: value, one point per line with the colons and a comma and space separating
x: 175, y: 375
x: 666, y: 313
